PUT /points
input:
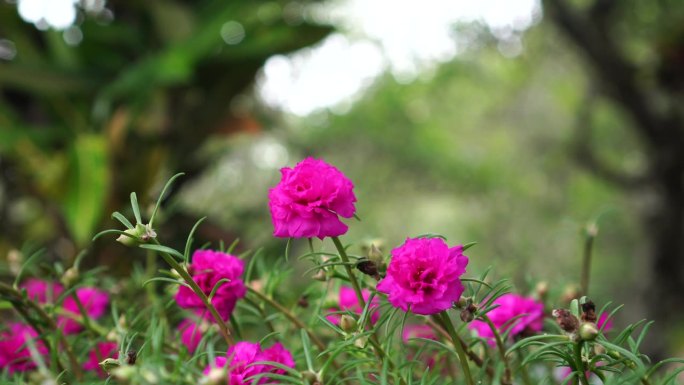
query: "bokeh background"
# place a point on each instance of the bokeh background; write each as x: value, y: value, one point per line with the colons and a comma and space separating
x: 512, y: 123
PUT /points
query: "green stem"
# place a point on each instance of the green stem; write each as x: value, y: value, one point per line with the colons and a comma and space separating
x: 446, y: 321
x: 288, y: 314
x: 377, y: 348
x: 350, y: 272
x: 579, y: 364
x: 203, y: 297
x: 586, y: 260
x: 523, y: 370
x: 501, y: 348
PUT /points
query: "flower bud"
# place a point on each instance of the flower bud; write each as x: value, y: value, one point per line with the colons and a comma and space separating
x: 361, y: 342
x: 566, y: 320
x: 70, y: 277
x: 311, y: 378
x: 14, y: 261
x: 542, y: 290
x: 368, y: 267
x: 139, y: 234
x: 599, y: 349
x: 348, y: 323
x: 375, y: 255
x: 320, y: 275
x: 109, y: 364
x: 588, y: 331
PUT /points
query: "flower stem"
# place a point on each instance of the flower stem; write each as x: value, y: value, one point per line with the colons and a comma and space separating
x: 459, y: 348
x: 350, y: 272
x: 203, y: 297
x: 586, y: 259
x: 579, y: 364
x: 377, y: 348
x: 502, y: 349
x: 288, y: 314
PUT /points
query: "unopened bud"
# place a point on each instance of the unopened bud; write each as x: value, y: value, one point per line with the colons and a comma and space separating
x: 348, y: 323
x: 588, y: 331
x: 542, y: 290
x: 109, y: 364
x: 368, y: 267
x: 311, y: 378
x: 70, y: 276
x: 320, y: 275
x: 571, y: 292
x: 139, y: 234
x: 361, y: 342
x: 14, y: 261
x: 591, y: 230
x: 588, y: 311
x: 599, y: 349
x: 566, y: 320
x: 468, y: 313
x: 375, y: 255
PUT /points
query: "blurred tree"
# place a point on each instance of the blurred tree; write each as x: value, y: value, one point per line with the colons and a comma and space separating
x: 635, y: 50
x: 83, y: 123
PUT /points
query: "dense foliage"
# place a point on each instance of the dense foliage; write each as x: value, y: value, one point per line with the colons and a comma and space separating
x: 418, y: 315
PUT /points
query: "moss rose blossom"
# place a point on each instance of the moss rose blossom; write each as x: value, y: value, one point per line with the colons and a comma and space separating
x: 242, y: 356
x: 15, y: 355
x: 309, y: 200
x: 529, y: 313
x: 208, y: 267
x: 424, y: 276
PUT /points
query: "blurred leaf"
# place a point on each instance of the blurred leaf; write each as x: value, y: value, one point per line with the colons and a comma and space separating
x: 88, y: 185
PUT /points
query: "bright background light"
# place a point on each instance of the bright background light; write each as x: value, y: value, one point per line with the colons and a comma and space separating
x: 405, y: 37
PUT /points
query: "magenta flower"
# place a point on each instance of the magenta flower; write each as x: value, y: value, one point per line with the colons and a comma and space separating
x: 423, y: 276
x: 94, y: 301
x: 309, y: 200
x: 42, y: 291
x: 102, y: 351
x: 15, y: 355
x: 514, y: 315
x: 240, y: 359
x: 208, y: 267
x: 417, y: 331
x: 191, y: 334
x: 349, y: 301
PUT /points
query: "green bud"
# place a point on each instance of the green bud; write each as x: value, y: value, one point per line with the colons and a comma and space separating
x: 588, y: 331
x: 348, y: 323
x: 320, y: 275
x: 109, y: 364
x: 139, y: 234
x: 361, y: 342
x: 70, y: 277
x: 311, y: 378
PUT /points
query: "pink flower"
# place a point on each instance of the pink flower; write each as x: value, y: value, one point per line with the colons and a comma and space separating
x: 42, y: 291
x: 418, y: 331
x: 423, y: 276
x: 208, y: 267
x: 529, y: 313
x: 191, y: 334
x: 241, y: 357
x: 603, y: 319
x: 94, y: 302
x: 349, y: 301
x: 15, y: 355
x: 102, y: 351
x: 309, y: 200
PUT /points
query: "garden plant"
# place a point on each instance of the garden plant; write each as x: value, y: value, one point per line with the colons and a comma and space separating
x: 340, y: 313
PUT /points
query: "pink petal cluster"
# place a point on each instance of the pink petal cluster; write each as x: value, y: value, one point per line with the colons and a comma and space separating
x: 309, y: 200
x: 529, y: 313
x: 191, y: 334
x: 417, y: 331
x: 102, y: 351
x: 208, y: 267
x: 15, y: 355
x: 94, y: 301
x: 424, y: 276
x: 242, y: 355
x: 349, y: 301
